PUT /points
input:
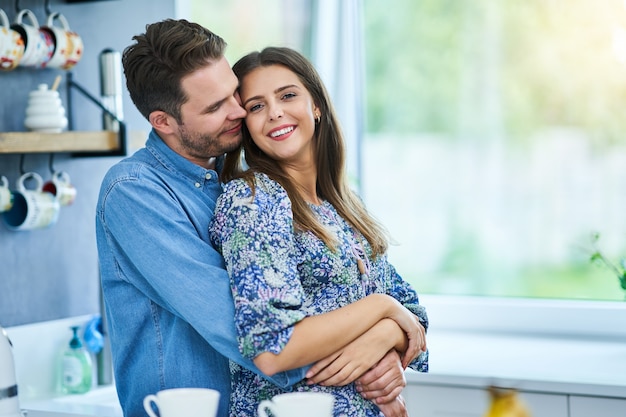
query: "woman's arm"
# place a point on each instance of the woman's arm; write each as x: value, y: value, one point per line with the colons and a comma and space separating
x: 256, y: 238
x: 317, y: 337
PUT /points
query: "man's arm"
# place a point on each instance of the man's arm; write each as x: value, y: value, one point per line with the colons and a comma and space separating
x: 180, y: 271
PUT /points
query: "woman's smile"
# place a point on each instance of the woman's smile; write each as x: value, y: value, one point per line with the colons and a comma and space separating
x: 282, y: 132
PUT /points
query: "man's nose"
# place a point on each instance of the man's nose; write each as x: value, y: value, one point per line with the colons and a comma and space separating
x: 237, y: 111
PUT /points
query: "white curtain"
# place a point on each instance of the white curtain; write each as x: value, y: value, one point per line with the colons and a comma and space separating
x: 337, y: 54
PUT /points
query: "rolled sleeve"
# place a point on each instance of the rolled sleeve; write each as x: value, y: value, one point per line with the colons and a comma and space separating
x: 255, y: 235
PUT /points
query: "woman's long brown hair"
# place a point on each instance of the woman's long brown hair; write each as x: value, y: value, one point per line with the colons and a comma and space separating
x: 332, y: 183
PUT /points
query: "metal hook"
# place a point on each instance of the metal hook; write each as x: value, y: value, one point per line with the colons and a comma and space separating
x: 22, y: 170
x: 17, y: 6
x: 51, y: 163
x: 46, y: 6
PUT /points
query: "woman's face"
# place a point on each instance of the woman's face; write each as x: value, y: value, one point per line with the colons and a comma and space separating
x: 281, y: 114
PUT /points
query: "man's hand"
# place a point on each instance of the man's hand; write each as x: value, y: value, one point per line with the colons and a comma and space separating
x: 395, y: 408
x: 356, y: 358
x: 385, y: 381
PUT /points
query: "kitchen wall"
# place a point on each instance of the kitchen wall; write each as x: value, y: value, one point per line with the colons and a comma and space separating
x: 52, y: 273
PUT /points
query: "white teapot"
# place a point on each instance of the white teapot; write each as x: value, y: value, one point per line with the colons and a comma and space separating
x: 45, y: 112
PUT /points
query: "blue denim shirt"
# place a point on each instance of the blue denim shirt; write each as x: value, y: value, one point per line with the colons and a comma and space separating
x: 167, y: 296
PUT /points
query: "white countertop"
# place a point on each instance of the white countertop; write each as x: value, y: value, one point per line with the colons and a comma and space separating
x: 100, y: 402
x: 531, y: 363
x: 590, y: 365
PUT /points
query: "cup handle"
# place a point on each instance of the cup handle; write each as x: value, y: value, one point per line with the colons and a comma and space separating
x: 264, y: 405
x: 147, y: 404
x: 5, y: 19
x: 4, y: 182
x: 20, y: 182
x: 56, y: 15
x: 31, y: 16
x: 61, y: 177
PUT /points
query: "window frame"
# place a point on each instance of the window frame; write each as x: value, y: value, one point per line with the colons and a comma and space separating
x: 542, y: 317
x: 550, y: 317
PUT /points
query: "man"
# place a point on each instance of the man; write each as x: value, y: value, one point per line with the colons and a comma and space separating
x: 167, y: 296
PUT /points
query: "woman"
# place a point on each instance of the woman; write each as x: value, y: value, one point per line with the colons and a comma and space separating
x: 308, y: 268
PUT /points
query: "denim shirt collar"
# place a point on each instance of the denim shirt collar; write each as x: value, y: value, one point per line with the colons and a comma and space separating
x: 174, y: 162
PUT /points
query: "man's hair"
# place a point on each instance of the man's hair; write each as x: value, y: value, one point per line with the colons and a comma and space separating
x: 158, y: 60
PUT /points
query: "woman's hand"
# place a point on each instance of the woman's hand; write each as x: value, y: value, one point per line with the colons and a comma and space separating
x: 414, y: 330
x: 358, y: 357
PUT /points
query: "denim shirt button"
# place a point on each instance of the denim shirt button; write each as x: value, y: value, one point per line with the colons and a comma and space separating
x: 208, y: 176
x: 197, y: 185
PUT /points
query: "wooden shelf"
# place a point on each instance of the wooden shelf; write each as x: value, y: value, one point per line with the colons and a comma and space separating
x: 35, y: 142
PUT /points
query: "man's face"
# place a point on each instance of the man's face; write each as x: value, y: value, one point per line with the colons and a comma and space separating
x: 212, y: 115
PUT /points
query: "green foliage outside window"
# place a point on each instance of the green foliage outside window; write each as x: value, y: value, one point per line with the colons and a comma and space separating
x: 503, y: 120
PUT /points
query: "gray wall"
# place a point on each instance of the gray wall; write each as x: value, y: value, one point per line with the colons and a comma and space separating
x: 52, y: 273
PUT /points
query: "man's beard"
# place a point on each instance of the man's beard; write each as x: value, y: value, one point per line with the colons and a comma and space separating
x: 204, y: 146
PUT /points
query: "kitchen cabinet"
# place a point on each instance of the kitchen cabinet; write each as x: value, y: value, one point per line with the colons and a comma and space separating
x: 596, y: 406
x: 545, y: 370
x: 442, y: 401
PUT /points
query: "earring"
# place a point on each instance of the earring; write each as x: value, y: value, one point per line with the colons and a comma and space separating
x: 318, y: 117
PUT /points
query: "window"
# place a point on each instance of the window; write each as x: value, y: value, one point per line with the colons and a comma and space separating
x: 248, y: 26
x: 493, y: 144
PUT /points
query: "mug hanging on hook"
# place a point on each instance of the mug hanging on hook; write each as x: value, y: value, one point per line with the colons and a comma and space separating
x: 6, y: 196
x: 32, y: 207
x: 68, y: 45
x: 60, y: 185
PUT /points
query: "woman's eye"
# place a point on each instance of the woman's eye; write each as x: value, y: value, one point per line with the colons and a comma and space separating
x: 254, y: 108
x: 288, y: 95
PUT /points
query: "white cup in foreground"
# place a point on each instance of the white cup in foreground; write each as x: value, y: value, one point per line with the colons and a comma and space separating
x: 32, y: 208
x: 298, y: 404
x: 183, y: 402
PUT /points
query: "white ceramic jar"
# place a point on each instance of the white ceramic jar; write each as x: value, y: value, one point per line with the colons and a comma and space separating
x: 45, y: 112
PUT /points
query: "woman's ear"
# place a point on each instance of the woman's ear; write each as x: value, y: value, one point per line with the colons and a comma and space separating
x: 317, y: 114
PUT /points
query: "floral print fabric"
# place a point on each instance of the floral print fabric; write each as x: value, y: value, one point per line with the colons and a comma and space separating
x: 280, y: 276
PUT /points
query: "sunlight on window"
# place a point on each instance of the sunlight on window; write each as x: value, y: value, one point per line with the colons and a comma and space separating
x: 495, y: 143
x: 248, y: 26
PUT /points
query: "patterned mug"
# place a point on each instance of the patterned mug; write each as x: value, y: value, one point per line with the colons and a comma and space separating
x: 37, y: 46
x: 68, y: 48
x: 11, y: 45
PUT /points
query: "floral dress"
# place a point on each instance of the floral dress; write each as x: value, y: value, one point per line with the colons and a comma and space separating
x: 280, y: 276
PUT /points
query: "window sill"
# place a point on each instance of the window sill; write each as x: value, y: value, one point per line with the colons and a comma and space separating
x: 530, y: 345
x: 525, y: 316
